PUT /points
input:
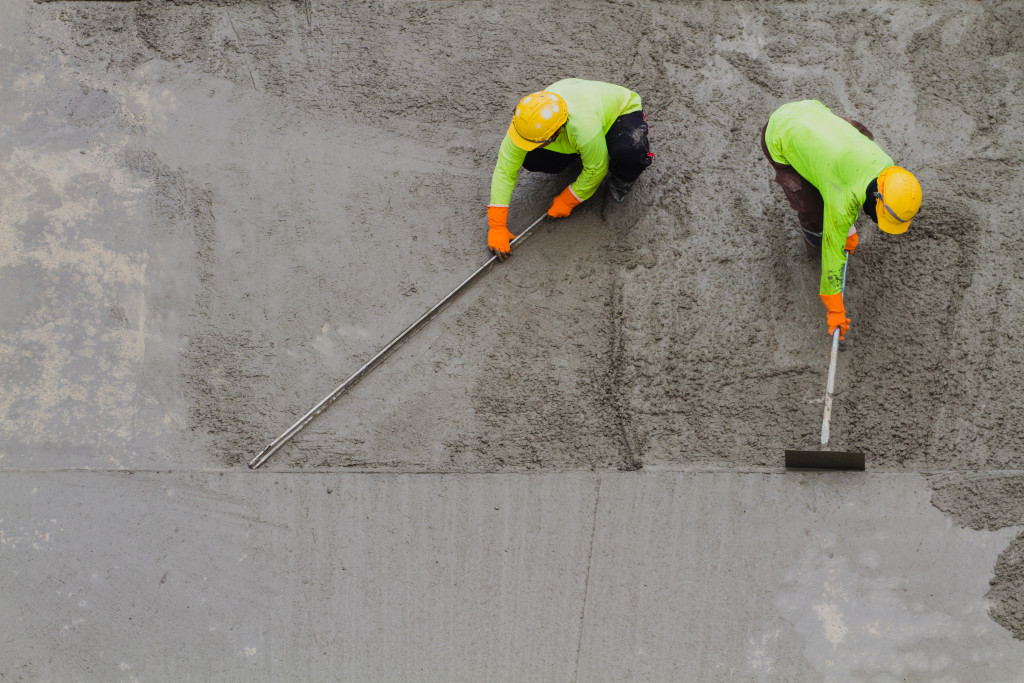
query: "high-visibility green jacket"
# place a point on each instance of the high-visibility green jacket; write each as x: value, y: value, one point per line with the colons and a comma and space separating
x: 838, y: 160
x: 593, y: 107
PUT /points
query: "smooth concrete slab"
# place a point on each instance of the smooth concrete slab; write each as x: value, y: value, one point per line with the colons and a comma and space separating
x: 298, y: 578
x: 542, y: 577
x: 818, y: 576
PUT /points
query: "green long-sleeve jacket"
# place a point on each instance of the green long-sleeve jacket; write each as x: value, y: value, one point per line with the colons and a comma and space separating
x: 593, y: 107
x: 836, y: 159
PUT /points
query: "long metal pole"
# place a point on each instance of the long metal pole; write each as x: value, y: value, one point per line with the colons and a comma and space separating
x: 280, y: 441
x: 830, y: 385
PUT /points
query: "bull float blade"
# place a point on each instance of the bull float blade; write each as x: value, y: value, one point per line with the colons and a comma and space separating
x: 824, y: 460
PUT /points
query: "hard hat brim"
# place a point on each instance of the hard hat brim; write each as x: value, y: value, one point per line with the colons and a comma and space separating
x: 521, y: 142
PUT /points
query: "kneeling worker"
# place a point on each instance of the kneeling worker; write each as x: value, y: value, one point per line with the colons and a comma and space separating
x: 830, y: 169
x: 600, y: 123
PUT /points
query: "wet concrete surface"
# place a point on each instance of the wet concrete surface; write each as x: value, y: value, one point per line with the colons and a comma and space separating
x: 213, y: 213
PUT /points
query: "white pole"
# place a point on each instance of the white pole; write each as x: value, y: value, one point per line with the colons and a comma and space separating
x: 830, y: 385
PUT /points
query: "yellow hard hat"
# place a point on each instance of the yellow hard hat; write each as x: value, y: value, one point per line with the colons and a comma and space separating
x: 899, y: 198
x: 537, y: 118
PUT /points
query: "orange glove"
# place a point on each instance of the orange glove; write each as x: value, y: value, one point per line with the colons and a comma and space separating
x: 851, y: 242
x: 564, y: 204
x: 836, y: 313
x: 498, y: 235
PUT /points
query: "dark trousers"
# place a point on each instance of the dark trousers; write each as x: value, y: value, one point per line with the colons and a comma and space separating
x: 629, y: 151
x: 802, y: 195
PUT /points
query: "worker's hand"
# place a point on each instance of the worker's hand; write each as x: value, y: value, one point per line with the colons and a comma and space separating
x: 498, y: 235
x: 836, y: 314
x: 563, y: 204
x: 838, y: 320
x: 851, y: 242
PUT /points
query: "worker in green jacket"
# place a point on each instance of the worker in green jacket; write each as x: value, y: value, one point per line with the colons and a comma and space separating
x: 601, y: 124
x: 831, y: 169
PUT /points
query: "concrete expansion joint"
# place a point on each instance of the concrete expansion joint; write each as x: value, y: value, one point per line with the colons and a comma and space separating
x: 586, y: 581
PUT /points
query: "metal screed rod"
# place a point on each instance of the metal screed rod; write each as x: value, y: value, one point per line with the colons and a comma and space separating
x: 280, y: 441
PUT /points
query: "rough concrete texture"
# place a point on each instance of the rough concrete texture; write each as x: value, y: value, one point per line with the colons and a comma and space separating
x: 314, y: 178
x: 211, y: 213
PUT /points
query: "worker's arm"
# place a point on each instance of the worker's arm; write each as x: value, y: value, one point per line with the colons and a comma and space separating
x: 833, y: 259
x: 594, y: 155
x: 503, y: 181
x: 506, y: 171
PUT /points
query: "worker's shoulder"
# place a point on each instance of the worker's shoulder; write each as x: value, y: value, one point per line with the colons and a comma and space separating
x: 565, y: 82
x: 803, y: 107
x: 580, y: 83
